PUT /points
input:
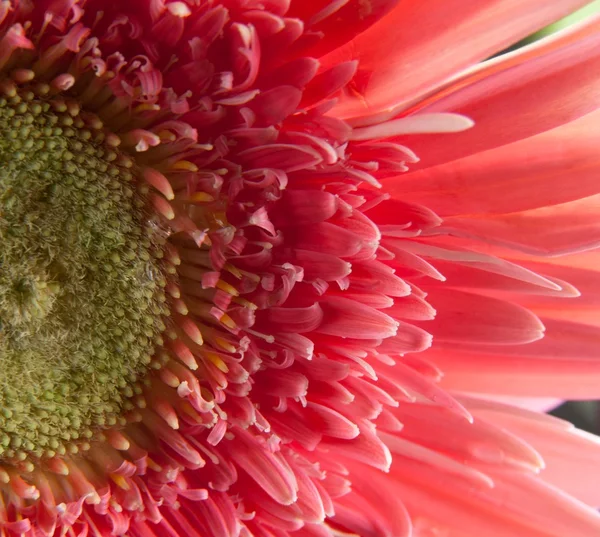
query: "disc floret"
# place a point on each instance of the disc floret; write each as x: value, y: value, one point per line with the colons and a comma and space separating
x: 81, y: 285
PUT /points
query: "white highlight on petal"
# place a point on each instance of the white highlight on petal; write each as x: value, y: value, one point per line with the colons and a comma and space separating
x: 179, y: 9
x: 418, y: 124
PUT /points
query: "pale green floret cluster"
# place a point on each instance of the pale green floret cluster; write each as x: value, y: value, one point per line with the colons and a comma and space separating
x: 81, y: 286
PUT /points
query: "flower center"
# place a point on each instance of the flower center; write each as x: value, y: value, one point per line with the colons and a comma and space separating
x: 81, y: 285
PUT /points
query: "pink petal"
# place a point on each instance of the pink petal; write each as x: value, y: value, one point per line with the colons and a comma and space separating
x: 479, y: 441
x: 339, y: 20
x: 330, y: 423
x: 466, y: 268
x: 301, y: 207
x: 557, y: 230
x: 524, y: 175
x: 295, y: 320
x: 266, y: 468
x: 518, y: 504
x: 409, y: 338
x: 412, y: 381
x: 420, y: 44
x: 347, y: 318
x: 411, y: 307
x: 366, y: 448
x: 280, y: 156
x: 400, y: 447
x: 482, y: 372
x: 374, y: 276
x: 372, y: 509
x: 517, y: 102
x: 282, y: 383
x: 327, y: 238
x: 327, y: 83
x: 571, y: 456
x: 475, y: 319
x: 320, y: 265
x: 273, y: 106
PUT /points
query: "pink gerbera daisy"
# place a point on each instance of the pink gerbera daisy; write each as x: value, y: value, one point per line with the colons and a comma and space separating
x: 274, y: 268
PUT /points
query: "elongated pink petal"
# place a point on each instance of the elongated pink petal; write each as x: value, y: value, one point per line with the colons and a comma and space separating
x: 523, y: 175
x: 332, y: 423
x: 328, y: 238
x: 295, y: 320
x: 339, y: 20
x: 301, y: 207
x: 475, y: 319
x: 555, y: 88
x: 556, y: 445
x: 480, y: 372
x: 517, y: 505
x: 418, y: 45
x: 480, y: 441
x: 405, y: 448
x: 471, y: 269
x: 574, y: 228
x: 371, y: 510
x: 321, y: 265
x: 347, y: 318
x: 274, y: 105
x: 367, y: 448
x: 266, y: 468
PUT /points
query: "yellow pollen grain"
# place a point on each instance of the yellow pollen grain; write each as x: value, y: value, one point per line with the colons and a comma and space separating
x: 217, y: 361
x: 246, y: 303
x: 146, y: 107
x: 184, y: 165
x: 228, y: 288
x: 188, y: 409
x: 224, y: 344
x: 228, y: 321
x: 153, y: 465
x: 201, y: 197
x: 120, y: 481
x: 233, y: 270
x: 167, y: 136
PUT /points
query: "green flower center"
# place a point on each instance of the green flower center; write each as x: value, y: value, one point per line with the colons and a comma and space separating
x: 81, y: 285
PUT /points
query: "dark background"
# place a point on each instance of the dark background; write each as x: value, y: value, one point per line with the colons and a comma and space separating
x: 583, y: 414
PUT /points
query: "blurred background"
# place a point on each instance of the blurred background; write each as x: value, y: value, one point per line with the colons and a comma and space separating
x: 591, y: 9
x: 583, y: 414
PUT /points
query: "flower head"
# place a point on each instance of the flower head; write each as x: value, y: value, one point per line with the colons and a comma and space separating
x: 267, y: 268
